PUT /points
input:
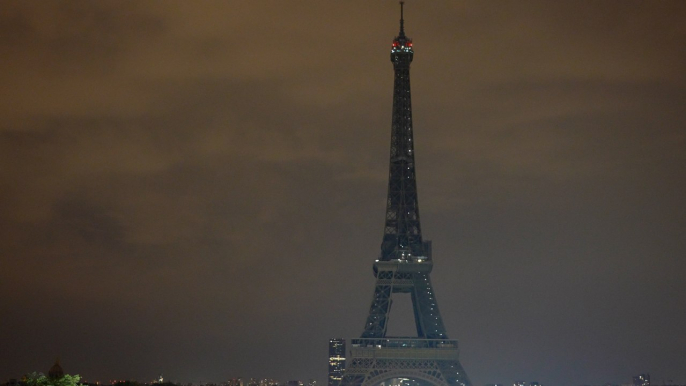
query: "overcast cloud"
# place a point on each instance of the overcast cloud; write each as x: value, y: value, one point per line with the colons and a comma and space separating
x: 197, y: 188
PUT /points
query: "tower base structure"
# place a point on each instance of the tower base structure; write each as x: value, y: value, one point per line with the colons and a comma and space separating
x: 404, y: 361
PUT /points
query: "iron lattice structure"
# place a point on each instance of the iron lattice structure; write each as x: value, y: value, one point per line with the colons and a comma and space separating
x: 404, y: 266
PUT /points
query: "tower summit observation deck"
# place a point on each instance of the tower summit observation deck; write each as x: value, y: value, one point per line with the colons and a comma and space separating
x: 403, y: 266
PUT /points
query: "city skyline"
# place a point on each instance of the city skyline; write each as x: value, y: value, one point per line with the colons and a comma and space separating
x: 198, y: 189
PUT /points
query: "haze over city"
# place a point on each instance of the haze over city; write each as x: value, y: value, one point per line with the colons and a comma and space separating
x: 197, y: 189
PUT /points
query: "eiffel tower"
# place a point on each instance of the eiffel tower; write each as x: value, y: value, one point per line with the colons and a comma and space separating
x: 403, y: 266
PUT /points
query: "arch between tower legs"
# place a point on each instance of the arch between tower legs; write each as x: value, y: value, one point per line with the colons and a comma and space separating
x: 421, y: 377
x: 412, y: 372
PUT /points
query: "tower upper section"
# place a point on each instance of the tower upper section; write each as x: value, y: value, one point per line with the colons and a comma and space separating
x: 402, y: 232
x: 401, y: 52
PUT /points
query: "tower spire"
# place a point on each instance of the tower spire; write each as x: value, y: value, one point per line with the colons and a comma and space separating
x: 402, y: 238
x: 402, y: 20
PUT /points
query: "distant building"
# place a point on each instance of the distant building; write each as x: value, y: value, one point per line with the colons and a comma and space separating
x: 642, y: 380
x: 336, y: 360
x: 235, y: 382
x: 519, y: 383
x: 268, y: 382
x: 56, y: 371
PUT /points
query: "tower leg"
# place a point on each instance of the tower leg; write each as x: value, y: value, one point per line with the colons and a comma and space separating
x: 377, y: 321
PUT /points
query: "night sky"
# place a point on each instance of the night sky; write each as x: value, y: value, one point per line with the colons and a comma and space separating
x: 198, y: 188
